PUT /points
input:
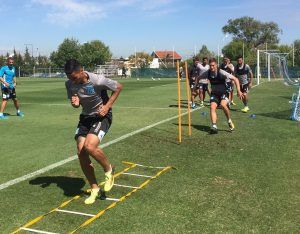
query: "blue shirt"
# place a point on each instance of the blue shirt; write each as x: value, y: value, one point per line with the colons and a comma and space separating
x: 8, y: 75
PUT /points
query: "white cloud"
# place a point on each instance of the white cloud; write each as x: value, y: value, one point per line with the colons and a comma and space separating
x: 66, y: 12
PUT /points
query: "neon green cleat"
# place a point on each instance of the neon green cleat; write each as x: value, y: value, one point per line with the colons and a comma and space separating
x: 245, y: 109
x: 233, y: 103
x: 92, y: 198
x: 109, y: 180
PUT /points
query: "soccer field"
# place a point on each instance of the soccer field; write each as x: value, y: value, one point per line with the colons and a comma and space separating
x: 245, y: 181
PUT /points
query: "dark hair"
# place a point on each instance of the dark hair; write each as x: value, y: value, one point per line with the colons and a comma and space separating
x: 195, y: 59
x: 239, y: 57
x: 212, y: 60
x: 204, y: 58
x: 72, y: 65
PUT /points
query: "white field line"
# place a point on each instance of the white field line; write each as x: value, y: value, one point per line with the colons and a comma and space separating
x: 60, y: 163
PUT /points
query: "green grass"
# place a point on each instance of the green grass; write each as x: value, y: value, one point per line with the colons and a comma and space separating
x: 245, y: 181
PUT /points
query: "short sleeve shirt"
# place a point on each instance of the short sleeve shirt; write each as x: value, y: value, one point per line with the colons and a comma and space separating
x: 8, y: 75
x: 92, y: 93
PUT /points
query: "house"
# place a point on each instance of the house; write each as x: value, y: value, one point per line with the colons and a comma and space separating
x: 166, y: 58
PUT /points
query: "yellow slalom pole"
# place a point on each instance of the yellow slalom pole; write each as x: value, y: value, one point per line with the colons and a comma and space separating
x: 179, y: 104
x: 188, y: 97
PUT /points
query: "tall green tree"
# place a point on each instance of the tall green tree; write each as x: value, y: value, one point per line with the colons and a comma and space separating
x: 297, y: 52
x: 94, y: 53
x: 69, y: 48
x: 205, y: 52
x: 253, y: 32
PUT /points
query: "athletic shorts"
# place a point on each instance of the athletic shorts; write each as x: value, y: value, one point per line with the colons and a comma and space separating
x: 229, y: 87
x: 203, y: 86
x: 8, y: 93
x: 244, y: 88
x: 217, y: 98
x: 96, y: 125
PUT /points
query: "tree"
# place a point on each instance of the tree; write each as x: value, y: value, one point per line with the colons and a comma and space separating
x: 204, y: 52
x: 68, y: 49
x: 141, y: 59
x: 94, y: 53
x: 297, y: 52
x: 253, y: 32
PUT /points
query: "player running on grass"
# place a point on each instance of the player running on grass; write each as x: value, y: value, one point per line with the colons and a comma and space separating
x: 245, y: 75
x: 90, y: 91
x: 228, y: 67
x: 8, y: 87
x: 219, y: 94
x: 203, y: 83
x: 194, y: 74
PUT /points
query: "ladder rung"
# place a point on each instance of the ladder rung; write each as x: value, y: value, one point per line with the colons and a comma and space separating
x: 37, y: 231
x: 112, y: 199
x: 74, y: 212
x: 125, y: 186
x: 125, y: 173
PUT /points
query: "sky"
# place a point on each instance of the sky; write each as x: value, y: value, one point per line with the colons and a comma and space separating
x: 127, y: 26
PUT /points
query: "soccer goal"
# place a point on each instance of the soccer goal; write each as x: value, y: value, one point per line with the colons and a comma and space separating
x: 269, y: 65
x: 272, y: 64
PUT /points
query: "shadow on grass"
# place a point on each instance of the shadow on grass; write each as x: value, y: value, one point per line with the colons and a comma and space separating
x: 70, y: 185
x: 277, y: 115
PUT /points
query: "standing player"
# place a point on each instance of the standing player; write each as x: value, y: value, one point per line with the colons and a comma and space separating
x: 8, y: 87
x: 203, y: 83
x: 219, y: 94
x: 244, y: 72
x: 228, y: 67
x: 90, y: 91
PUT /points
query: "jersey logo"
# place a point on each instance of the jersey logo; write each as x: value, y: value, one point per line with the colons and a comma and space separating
x: 89, y: 90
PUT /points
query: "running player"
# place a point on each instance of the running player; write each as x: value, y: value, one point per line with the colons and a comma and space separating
x: 8, y: 87
x: 219, y: 94
x: 194, y: 74
x: 245, y: 75
x: 90, y: 91
x: 228, y: 67
x: 203, y: 83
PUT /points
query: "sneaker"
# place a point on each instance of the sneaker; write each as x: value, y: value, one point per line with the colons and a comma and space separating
x: 109, y: 180
x: 20, y: 114
x: 92, y: 198
x: 231, y: 126
x: 3, y: 117
x: 213, y: 130
x: 201, y: 104
x: 233, y: 103
x: 245, y: 109
x: 194, y: 106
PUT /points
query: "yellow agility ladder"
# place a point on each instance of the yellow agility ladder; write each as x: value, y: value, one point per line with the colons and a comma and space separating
x: 93, y: 217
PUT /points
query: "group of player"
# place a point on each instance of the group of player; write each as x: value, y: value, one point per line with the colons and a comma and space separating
x: 221, y: 88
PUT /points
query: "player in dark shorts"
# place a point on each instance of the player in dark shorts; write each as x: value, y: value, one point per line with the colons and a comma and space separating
x: 245, y: 76
x: 8, y: 87
x: 90, y: 91
x: 193, y: 75
x: 228, y: 67
x: 219, y: 95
